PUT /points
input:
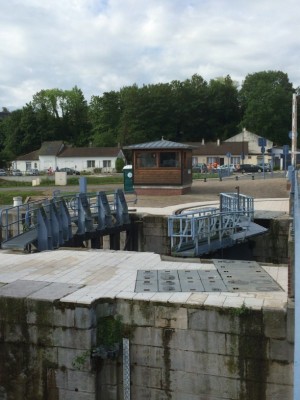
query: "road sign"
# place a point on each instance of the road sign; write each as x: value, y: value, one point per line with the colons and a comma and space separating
x: 262, y: 142
x: 291, y: 134
x: 285, y: 149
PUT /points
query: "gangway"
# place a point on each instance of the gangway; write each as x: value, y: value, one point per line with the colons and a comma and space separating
x: 51, y: 223
x: 205, y: 230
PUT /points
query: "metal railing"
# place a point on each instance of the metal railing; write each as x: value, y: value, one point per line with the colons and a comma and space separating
x: 50, y: 220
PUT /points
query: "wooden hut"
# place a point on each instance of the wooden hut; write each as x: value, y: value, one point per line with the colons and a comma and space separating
x: 161, y: 167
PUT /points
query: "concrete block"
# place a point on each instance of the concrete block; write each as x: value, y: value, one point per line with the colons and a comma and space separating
x: 21, y: 288
x: 84, y: 317
x: 147, y: 376
x: 143, y: 393
x: 13, y: 333
x: 105, y: 310
x: 205, y: 386
x: 213, y: 321
x: 275, y: 323
x: 73, y: 338
x: 280, y: 373
x: 111, y: 373
x: 138, y: 313
x: 279, y: 392
x: 109, y: 392
x: 290, y: 325
x: 72, y: 395
x: 206, y: 342
x: 72, y: 359
x: 148, y: 356
x: 210, y: 364
x: 36, y: 182
x: 41, y: 335
x: 54, y: 291
x: 78, y: 381
x: 171, y: 317
x: 281, y: 350
x: 147, y: 336
x: 64, y: 317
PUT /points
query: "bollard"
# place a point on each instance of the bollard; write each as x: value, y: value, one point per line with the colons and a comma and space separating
x: 253, y: 177
x: 204, y: 179
x: 17, y: 201
x: 220, y: 179
x: 236, y: 178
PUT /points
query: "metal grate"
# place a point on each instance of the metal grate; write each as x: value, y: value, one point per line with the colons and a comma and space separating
x: 228, y: 276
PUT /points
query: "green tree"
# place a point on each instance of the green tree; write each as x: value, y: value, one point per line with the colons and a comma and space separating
x: 266, y: 105
x: 224, y: 110
x: 104, y: 115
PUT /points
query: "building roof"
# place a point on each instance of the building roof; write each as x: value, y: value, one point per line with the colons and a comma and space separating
x: 91, y: 152
x: 32, y: 156
x: 159, y: 144
x: 51, y: 148
x: 213, y: 148
x: 57, y: 148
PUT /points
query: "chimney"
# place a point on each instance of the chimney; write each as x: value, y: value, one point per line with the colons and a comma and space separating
x: 218, y: 142
x: 203, y: 142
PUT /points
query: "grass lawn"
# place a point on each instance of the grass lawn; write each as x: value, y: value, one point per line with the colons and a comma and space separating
x: 6, y: 197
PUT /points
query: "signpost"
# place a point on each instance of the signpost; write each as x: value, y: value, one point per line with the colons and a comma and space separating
x: 262, y: 142
x: 285, y: 150
x: 228, y: 155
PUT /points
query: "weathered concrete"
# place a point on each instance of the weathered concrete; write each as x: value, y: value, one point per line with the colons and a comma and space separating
x: 177, y: 351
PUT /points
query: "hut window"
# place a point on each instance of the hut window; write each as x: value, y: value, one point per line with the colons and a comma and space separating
x: 169, y: 159
x: 146, y: 160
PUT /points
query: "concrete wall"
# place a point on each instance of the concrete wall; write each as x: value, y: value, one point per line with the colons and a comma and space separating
x: 153, y: 236
x: 179, y: 353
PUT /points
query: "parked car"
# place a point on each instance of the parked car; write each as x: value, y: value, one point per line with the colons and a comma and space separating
x: 250, y: 168
x: 16, y: 172
x: 69, y: 171
x: 33, y: 172
x: 267, y: 167
x: 2, y: 172
x: 201, y: 168
x: 226, y: 167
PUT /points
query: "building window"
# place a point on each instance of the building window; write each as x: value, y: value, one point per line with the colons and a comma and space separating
x: 28, y: 165
x: 146, y: 160
x: 91, y: 163
x: 106, y: 163
x: 169, y: 159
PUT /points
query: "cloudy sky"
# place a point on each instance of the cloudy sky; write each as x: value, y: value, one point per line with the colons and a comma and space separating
x: 103, y: 45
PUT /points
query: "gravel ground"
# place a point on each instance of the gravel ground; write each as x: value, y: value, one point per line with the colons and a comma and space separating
x: 268, y: 187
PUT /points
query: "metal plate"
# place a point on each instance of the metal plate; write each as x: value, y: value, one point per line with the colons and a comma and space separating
x: 229, y: 276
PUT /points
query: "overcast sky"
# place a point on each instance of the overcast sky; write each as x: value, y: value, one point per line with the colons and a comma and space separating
x: 103, y: 45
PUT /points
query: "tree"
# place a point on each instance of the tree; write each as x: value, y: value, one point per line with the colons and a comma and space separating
x: 104, y: 115
x: 224, y: 111
x: 266, y: 105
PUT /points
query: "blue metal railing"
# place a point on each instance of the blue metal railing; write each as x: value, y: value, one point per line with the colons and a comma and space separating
x: 296, y: 229
x: 47, y: 223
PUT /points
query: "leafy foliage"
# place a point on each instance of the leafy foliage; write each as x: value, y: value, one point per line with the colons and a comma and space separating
x: 266, y: 103
x: 182, y: 111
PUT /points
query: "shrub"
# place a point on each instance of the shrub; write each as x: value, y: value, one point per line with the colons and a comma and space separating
x: 120, y: 164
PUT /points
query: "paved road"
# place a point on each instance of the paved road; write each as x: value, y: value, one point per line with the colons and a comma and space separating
x: 260, y: 187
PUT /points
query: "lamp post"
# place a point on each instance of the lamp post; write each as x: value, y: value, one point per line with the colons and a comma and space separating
x: 294, y: 130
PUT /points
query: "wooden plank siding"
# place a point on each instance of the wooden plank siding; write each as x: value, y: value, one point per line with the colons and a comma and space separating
x: 157, y: 176
x: 180, y: 175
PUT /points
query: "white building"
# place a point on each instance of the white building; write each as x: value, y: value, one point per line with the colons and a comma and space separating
x: 57, y: 155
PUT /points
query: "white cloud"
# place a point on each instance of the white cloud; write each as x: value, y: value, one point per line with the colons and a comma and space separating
x: 103, y: 45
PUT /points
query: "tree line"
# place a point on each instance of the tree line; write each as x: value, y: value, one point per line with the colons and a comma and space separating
x: 182, y: 111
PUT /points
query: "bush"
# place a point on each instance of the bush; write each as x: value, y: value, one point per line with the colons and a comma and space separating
x: 97, y: 170
x: 120, y: 164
